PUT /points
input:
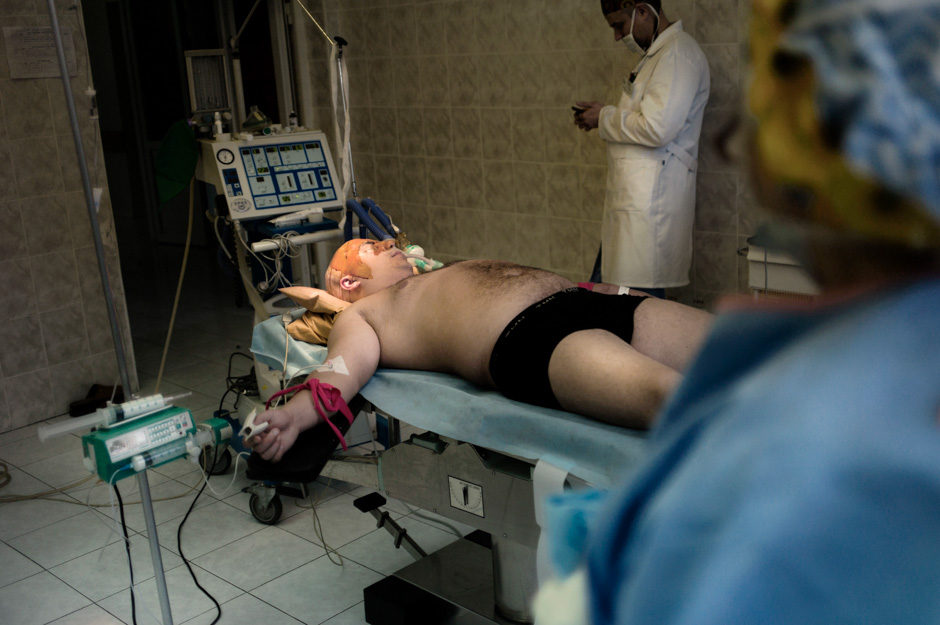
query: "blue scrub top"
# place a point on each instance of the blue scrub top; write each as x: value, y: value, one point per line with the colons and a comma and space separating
x: 794, y: 476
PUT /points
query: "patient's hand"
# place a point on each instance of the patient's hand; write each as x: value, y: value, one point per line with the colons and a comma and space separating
x: 284, y: 425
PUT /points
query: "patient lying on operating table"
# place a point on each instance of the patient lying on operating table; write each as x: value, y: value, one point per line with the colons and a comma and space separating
x: 529, y: 333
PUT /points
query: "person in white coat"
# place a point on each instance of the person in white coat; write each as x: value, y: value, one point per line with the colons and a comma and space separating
x: 652, y: 138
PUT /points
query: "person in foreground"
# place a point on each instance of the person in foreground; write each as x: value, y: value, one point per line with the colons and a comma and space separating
x: 530, y: 333
x: 794, y: 476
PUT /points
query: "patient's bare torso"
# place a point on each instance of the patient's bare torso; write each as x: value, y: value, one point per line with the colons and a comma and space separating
x: 449, y: 320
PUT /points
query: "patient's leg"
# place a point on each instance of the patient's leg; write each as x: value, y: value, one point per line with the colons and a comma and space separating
x: 593, y: 372
x: 669, y: 332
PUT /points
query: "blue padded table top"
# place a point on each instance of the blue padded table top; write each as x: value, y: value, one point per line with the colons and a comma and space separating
x: 596, y: 452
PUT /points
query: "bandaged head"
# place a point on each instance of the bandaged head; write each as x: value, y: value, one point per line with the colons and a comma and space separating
x: 847, y: 99
x: 348, y: 262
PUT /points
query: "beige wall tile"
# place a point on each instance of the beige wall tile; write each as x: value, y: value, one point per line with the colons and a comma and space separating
x: 46, y: 220
x: 23, y: 345
x: 384, y: 130
x: 64, y: 333
x: 17, y: 295
x: 12, y: 234
x: 468, y: 141
x: 528, y: 135
x: 407, y: 72
x: 414, y: 180
x: 468, y: 183
x: 435, y: 90
x: 498, y: 186
x: 495, y: 80
x: 36, y: 166
x: 464, y: 79
x: 411, y: 131
x: 441, y: 182
x: 403, y: 31
x: 716, y: 201
x: 438, y: 132
x: 530, y: 189
x: 55, y: 280
x: 29, y: 397
x: 471, y: 230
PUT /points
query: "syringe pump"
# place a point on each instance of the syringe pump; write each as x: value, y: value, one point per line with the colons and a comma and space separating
x: 108, y: 416
x: 131, y: 447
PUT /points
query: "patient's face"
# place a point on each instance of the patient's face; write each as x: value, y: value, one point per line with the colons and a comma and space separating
x: 387, y: 263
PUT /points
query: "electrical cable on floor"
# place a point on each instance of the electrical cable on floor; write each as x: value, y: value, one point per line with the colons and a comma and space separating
x: 179, y: 537
x: 318, y: 526
x: 416, y: 512
x: 127, y: 547
x: 206, y: 474
x: 4, y: 474
x: 242, y: 385
x: 179, y: 286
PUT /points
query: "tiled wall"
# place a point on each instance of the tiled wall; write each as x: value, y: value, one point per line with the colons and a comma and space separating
x: 55, y: 337
x: 462, y: 126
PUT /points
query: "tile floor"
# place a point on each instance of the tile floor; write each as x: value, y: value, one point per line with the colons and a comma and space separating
x: 63, y: 562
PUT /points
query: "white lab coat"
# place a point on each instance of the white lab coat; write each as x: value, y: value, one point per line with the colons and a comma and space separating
x: 652, y: 150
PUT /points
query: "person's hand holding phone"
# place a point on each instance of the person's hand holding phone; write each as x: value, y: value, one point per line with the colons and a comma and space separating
x: 587, y: 114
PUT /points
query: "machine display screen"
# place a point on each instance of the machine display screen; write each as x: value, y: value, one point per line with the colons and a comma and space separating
x: 287, y: 174
x: 270, y: 176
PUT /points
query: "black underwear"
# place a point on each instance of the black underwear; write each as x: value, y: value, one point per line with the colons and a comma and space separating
x: 519, y: 362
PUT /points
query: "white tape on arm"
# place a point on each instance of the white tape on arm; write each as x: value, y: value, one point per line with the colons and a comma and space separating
x: 624, y: 290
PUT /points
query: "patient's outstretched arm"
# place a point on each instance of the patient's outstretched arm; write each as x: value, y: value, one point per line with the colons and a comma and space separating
x: 352, y: 338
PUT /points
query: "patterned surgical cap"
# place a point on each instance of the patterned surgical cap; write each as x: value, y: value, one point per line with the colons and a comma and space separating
x: 854, y: 134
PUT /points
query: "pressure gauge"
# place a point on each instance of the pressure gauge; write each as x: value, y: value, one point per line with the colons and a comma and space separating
x: 465, y: 496
x: 225, y: 156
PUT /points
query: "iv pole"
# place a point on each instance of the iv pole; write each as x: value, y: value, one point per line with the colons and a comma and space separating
x: 112, y: 311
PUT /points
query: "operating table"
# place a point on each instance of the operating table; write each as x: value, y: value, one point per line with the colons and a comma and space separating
x: 484, y: 460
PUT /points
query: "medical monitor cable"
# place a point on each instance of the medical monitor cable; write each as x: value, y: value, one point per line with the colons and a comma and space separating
x: 179, y: 537
x: 127, y: 547
x: 179, y: 286
x: 4, y: 474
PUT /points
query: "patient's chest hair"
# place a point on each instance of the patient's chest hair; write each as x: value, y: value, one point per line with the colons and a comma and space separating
x: 490, y: 275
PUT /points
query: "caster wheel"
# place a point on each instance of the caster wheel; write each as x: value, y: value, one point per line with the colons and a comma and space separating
x: 223, y: 460
x: 270, y: 514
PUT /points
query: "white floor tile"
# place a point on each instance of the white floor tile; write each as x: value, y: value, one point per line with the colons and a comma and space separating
x: 260, y: 557
x: 377, y: 550
x: 186, y: 600
x: 59, y: 470
x: 30, y: 450
x: 319, y: 590
x: 340, y: 521
x: 208, y: 528
x: 170, y: 500
x: 27, y: 516
x: 90, y: 615
x: 103, y: 573
x: 175, y: 469
x: 98, y: 492
x: 14, y: 566
x: 245, y: 610
x: 16, y: 435
x: 292, y: 505
x: 65, y: 540
x: 38, y: 600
